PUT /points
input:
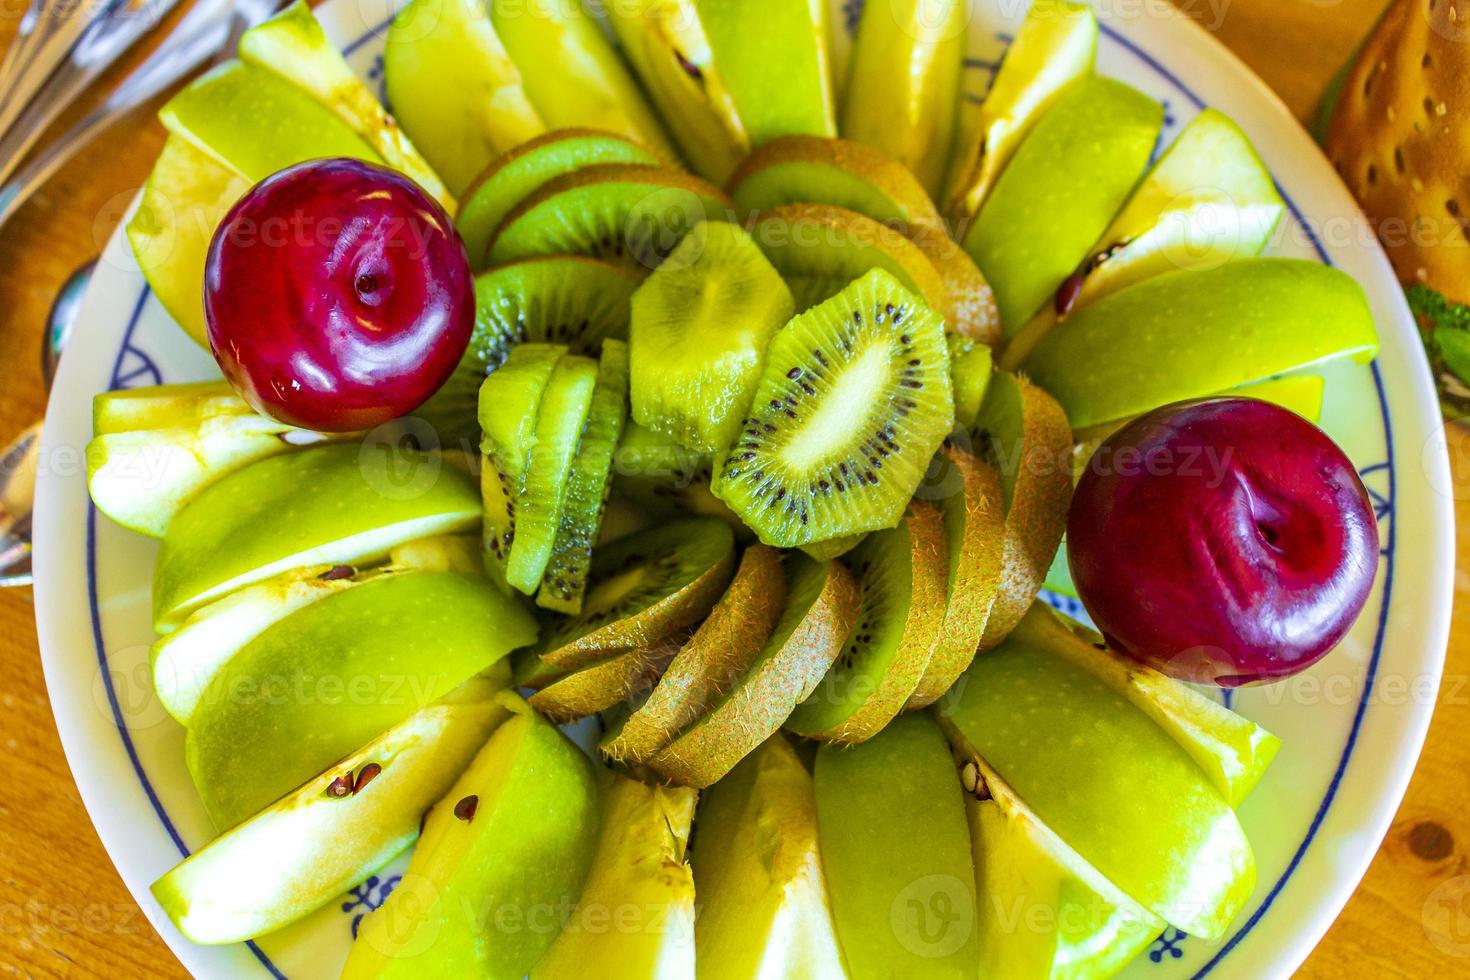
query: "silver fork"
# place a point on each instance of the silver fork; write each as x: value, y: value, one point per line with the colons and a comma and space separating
x: 47, y: 34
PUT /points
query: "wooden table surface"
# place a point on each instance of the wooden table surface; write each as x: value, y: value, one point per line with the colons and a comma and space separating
x: 65, y: 913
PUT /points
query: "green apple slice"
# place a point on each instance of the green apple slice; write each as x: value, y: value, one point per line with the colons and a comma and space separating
x: 325, y: 505
x: 903, y: 82
x: 1189, y: 334
x: 1208, y: 200
x: 665, y: 43
x: 1233, y: 751
x: 1055, y: 47
x: 501, y: 853
x: 184, y: 662
x: 337, y: 672
x: 591, y: 86
x: 1044, y: 912
x: 155, y: 449
x: 763, y: 904
x: 293, y: 45
x: 779, y: 75
x: 333, y: 832
x: 1049, y: 207
x: 1108, y: 780
x: 896, y: 850
x: 186, y: 196
x: 516, y: 175
x: 636, y: 914
x: 256, y: 123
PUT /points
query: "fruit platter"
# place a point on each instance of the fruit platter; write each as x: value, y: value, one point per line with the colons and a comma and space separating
x: 740, y: 489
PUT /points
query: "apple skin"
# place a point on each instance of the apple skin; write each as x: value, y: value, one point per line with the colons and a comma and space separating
x: 486, y: 887
x: 896, y: 851
x: 1239, y: 547
x: 336, y: 673
x: 323, y: 505
x: 312, y: 845
x: 1191, y: 334
x: 1112, y: 784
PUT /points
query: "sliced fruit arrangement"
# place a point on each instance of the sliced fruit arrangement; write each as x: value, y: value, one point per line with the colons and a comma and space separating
x: 463, y: 76
x: 701, y: 324
x: 784, y: 491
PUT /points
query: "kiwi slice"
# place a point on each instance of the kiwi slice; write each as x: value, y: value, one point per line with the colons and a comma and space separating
x: 567, y: 696
x: 645, y: 587
x: 817, y: 170
x: 1024, y: 434
x: 698, y: 337
x: 970, y: 368
x: 854, y: 401
x: 628, y: 214
x: 969, y: 305
x: 827, y: 247
x: 974, y: 531
x: 901, y: 574
x: 560, y: 419
x: 707, y: 667
x: 565, y: 580
x: 561, y: 299
x: 820, y: 610
x: 509, y: 399
x: 515, y: 176
x: 665, y: 479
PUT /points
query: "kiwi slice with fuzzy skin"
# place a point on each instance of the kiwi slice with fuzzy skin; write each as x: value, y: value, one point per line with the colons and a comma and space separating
x: 1024, y: 434
x: 628, y: 214
x: 645, y: 587
x: 970, y: 368
x: 820, y: 609
x: 823, y: 244
x: 565, y: 581
x: 974, y: 531
x: 854, y: 401
x: 818, y: 170
x: 700, y: 326
x: 902, y: 575
x: 969, y: 305
x: 515, y: 176
x: 561, y: 299
x: 560, y: 419
x: 708, y: 665
x: 567, y: 696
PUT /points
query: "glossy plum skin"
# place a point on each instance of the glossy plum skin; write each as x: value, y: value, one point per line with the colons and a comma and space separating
x: 338, y: 296
x: 1225, y: 541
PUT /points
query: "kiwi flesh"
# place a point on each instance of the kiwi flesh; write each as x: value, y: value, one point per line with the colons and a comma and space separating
x: 700, y: 326
x: 561, y: 299
x: 827, y: 247
x: 646, y: 587
x: 901, y: 575
x: 854, y: 401
x: 1024, y: 434
x: 665, y: 479
x: 515, y: 176
x: 708, y: 665
x: 628, y: 214
x: 816, y: 170
x: 974, y: 531
x: 819, y: 612
x: 565, y: 580
x: 509, y: 399
x: 970, y: 368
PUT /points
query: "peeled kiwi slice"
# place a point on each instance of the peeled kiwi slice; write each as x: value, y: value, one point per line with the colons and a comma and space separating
x: 826, y: 247
x: 645, y: 587
x: 708, y: 665
x: 698, y: 337
x: 901, y: 575
x: 970, y: 368
x: 974, y: 530
x: 820, y: 609
x: 854, y: 401
x: 1024, y: 434
x: 663, y: 478
x: 565, y: 581
x: 561, y: 299
x: 817, y: 170
x: 628, y: 214
x: 516, y: 175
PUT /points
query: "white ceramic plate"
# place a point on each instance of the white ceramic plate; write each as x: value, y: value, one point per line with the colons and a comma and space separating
x: 1352, y: 726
